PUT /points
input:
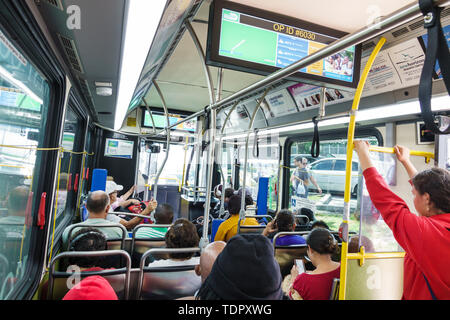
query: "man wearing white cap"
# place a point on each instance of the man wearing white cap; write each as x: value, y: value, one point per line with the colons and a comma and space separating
x: 112, y: 189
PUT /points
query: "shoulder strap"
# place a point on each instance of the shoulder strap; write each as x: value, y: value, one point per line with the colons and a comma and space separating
x: 436, y: 49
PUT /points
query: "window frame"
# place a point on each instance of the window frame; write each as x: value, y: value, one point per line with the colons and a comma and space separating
x: 20, y: 27
x: 360, y: 132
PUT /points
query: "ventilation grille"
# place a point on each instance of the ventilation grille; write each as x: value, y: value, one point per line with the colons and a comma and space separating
x: 416, y: 25
x: 55, y: 3
x: 445, y: 12
x: 399, y: 32
x: 71, y: 53
x: 367, y: 46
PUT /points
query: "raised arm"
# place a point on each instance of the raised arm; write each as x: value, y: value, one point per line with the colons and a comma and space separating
x: 402, y: 154
x: 128, y: 193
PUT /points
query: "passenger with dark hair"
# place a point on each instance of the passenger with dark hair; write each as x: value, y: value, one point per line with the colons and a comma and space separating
x: 228, y: 228
x: 245, y: 270
x: 97, y: 204
x: 424, y: 237
x: 319, y: 224
x: 302, y: 221
x: 228, y: 193
x: 163, y: 215
x: 284, y: 221
x: 316, y: 285
x: 88, y: 239
x: 182, y: 234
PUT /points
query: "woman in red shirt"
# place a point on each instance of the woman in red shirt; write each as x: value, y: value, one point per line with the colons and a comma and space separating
x: 424, y: 237
x: 316, y: 285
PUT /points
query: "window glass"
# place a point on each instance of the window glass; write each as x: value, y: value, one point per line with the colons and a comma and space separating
x: 323, y: 165
x: 24, y: 97
x: 339, y: 165
x: 326, y: 172
x: 263, y: 163
x: 172, y: 173
x: 69, y: 172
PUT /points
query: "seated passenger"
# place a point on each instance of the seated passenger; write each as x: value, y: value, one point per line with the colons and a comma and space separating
x: 284, y: 221
x: 207, y: 258
x: 245, y: 270
x: 319, y: 224
x: 228, y: 228
x: 88, y: 239
x: 228, y: 193
x: 306, y: 212
x: 182, y: 234
x: 163, y: 215
x: 316, y: 285
x: 92, y: 288
x: 12, y: 225
x: 353, y: 244
x: 111, y: 189
x: 97, y: 204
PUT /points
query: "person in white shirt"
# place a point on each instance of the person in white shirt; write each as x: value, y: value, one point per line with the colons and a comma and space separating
x: 112, y: 189
x: 182, y: 234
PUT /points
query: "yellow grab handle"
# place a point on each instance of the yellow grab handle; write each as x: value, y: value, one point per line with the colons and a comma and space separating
x: 427, y: 155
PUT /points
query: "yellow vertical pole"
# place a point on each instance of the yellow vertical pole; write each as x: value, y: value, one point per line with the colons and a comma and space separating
x: 184, y: 164
x: 348, y: 166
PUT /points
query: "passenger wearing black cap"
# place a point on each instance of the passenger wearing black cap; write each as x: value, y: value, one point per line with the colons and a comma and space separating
x: 245, y: 270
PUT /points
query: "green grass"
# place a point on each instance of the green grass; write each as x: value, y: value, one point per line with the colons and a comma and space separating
x: 335, y: 220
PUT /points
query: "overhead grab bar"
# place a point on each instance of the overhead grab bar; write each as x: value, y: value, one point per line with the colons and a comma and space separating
x: 250, y: 126
x: 166, y: 113
x: 385, y: 24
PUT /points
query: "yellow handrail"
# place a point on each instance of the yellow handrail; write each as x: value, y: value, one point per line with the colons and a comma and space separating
x: 348, y: 166
x: 427, y: 155
x: 149, y: 186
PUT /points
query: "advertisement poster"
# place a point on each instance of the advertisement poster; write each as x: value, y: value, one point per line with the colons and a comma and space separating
x: 281, y: 103
x: 408, y: 58
x: 394, y: 68
x: 68, y: 140
x: 119, y: 148
x: 382, y: 76
x: 308, y: 96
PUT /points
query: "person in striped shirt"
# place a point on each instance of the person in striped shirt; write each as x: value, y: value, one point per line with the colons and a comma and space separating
x: 163, y: 215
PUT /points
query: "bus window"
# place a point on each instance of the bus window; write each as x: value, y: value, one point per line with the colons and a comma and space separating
x: 326, y: 172
x: 72, y: 140
x: 264, y: 165
x: 24, y: 96
x: 173, y: 170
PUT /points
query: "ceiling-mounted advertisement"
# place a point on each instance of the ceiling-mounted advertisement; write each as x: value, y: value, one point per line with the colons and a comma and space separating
x: 308, y: 96
x: 278, y: 104
x: 252, y: 40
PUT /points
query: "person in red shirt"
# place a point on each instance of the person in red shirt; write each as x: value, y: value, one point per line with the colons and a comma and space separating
x: 424, y: 237
x: 92, y: 288
x: 316, y: 285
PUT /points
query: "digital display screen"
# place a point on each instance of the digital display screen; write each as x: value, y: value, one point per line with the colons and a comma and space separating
x: 160, y: 121
x: 249, y: 39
